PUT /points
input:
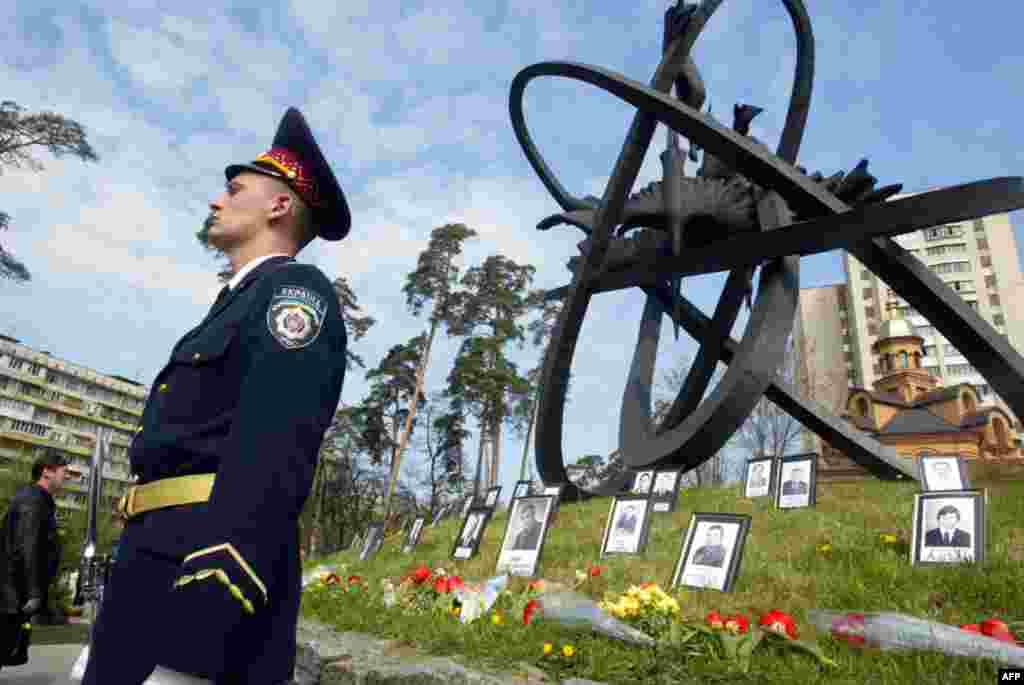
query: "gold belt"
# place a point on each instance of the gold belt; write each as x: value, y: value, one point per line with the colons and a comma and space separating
x: 166, y: 492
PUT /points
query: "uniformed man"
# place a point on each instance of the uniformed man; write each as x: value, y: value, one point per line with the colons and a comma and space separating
x: 208, y: 578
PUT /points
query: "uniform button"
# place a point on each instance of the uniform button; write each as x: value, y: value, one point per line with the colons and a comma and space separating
x: 196, y: 356
x: 163, y: 388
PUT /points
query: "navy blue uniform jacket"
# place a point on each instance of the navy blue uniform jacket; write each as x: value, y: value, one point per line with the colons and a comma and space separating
x: 247, y: 395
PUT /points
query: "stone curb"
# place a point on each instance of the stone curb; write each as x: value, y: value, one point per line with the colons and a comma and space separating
x: 328, y: 657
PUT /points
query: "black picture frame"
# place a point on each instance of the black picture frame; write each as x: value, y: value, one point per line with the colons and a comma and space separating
x: 554, y: 491
x: 621, y: 503
x: 927, y: 465
x: 524, y: 561
x: 461, y: 551
x: 929, y: 507
x: 491, y: 498
x: 521, y: 489
x: 665, y: 501
x: 799, y: 500
x: 373, y: 540
x: 689, y: 567
x: 442, y: 513
x: 643, y: 480
x: 765, y: 463
x: 413, y: 538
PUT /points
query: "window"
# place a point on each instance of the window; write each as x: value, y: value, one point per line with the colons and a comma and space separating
x: 959, y: 369
x: 954, y: 267
x: 943, y: 232
x: 924, y: 331
x: 865, y: 275
x: 929, y: 350
x: 986, y: 261
x: 990, y: 281
x: 942, y: 250
x: 979, y: 226
x: 993, y: 300
x: 868, y: 293
x: 998, y: 320
x: 16, y: 363
x: 973, y: 304
x: 933, y: 370
x: 982, y: 244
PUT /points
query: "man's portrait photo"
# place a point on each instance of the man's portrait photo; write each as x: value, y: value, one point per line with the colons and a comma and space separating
x: 373, y: 540
x: 414, y: 534
x: 471, y: 529
x: 941, y: 473
x: 710, y: 550
x: 642, y: 484
x: 759, y: 478
x: 665, y: 483
x: 492, y: 497
x: 948, y: 527
x: 524, y: 535
x: 626, y: 525
x: 796, y: 476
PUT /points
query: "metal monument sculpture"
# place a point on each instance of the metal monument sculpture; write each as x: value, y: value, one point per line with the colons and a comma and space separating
x: 745, y: 209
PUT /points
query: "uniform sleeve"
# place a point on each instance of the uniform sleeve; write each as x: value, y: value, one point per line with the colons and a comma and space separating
x: 29, y: 541
x: 293, y: 354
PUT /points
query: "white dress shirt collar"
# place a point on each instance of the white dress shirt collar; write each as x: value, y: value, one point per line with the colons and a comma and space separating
x: 249, y: 266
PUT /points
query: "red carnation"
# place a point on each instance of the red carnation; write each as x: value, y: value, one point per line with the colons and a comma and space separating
x: 531, y: 606
x: 421, y: 574
x: 453, y: 582
x: 737, y: 623
x: 993, y: 627
x: 778, y: 622
x: 714, y: 619
x: 332, y: 579
x: 354, y: 579
x: 649, y: 583
x: 595, y: 570
x: 441, y: 585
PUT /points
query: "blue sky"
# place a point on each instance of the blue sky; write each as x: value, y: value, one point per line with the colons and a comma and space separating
x: 409, y: 102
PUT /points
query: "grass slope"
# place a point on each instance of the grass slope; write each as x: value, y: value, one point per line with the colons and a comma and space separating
x: 782, y: 568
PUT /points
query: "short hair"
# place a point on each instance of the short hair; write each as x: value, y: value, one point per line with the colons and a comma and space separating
x: 304, y: 227
x: 717, y: 527
x: 51, y: 459
x: 527, y: 505
x: 948, y: 509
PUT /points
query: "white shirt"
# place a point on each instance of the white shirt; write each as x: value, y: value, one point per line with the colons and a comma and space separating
x: 250, y: 265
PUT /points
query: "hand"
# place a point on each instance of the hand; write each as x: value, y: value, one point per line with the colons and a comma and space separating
x: 32, y: 606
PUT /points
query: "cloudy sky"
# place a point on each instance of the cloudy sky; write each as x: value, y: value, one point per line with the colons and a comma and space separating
x: 410, y: 104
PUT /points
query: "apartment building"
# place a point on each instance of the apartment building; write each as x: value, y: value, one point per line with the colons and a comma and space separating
x: 48, y: 402
x: 837, y: 325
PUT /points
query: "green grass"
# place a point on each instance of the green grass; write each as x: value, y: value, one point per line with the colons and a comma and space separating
x: 781, y: 568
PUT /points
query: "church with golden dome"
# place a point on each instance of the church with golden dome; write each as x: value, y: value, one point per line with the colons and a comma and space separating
x: 909, y: 410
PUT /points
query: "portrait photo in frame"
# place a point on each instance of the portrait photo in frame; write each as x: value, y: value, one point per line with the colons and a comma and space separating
x: 528, y: 521
x: 413, y: 538
x: 491, y: 500
x: 759, y: 477
x: 797, y: 481
x: 711, y: 550
x: 942, y: 472
x: 467, y: 540
x: 442, y: 513
x: 555, y: 492
x: 949, y: 527
x: 373, y: 540
x: 642, y: 482
x: 521, y: 489
x: 467, y: 504
x: 625, y: 532
x: 665, y: 490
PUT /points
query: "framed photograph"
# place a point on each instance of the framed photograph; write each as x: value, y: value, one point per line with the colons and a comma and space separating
x: 521, y: 489
x: 524, y: 535
x: 942, y: 472
x: 442, y: 512
x: 711, y: 550
x: 466, y: 506
x: 472, y: 531
x: 414, y: 534
x: 949, y: 527
x: 626, y: 529
x: 642, y: 482
x: 665, y: 490
x: 554, y: 491
x: 797, y: 481
x: 491, y: 500
x: 757, y: 480
x: 373, y: 540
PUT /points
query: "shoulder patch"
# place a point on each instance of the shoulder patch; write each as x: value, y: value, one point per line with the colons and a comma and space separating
x: 295, y: 316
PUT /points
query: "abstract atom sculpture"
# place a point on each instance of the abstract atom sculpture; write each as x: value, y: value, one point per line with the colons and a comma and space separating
x: 745, y: 209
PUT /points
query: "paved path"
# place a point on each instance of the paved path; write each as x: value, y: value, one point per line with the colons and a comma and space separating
x: 47, y: 665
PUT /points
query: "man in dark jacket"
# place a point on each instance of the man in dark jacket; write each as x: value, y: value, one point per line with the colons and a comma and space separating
x: 29, y: 549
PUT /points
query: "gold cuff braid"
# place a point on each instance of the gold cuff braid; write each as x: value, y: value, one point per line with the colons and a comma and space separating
x: 217, y: 573
x: 230, y: 549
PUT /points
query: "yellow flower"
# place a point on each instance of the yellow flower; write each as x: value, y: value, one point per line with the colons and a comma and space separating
x: 568, y: 650
x: 548, y: 648
x: 887, y: 538
x: 496, y: 618
x: 825, y: 548
x: 580, y: 577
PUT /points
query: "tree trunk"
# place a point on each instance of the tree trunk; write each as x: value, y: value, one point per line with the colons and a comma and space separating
x: 495, y: 451
x: 529, y: 433
x: 396, y: 460
x: 479, y: 464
